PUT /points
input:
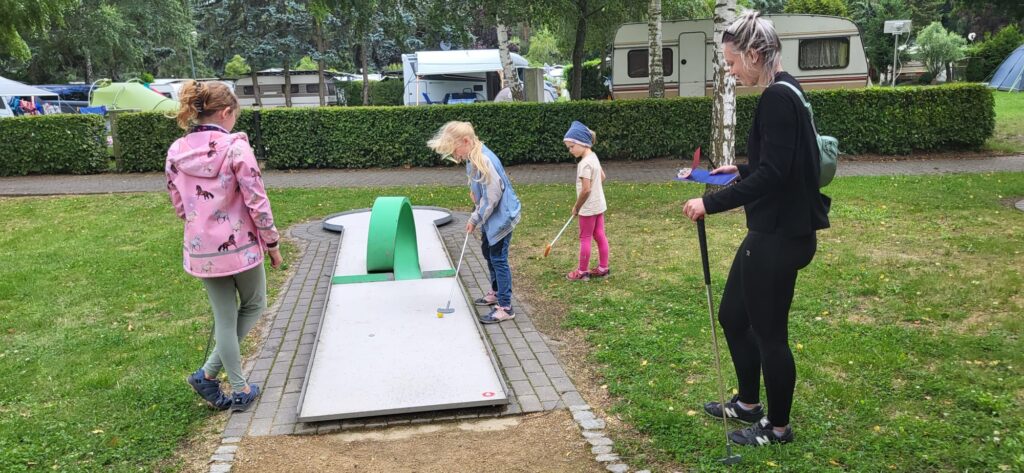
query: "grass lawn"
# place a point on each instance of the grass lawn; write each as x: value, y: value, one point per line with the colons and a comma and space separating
x: 906, y: 328
x: 1009, y: 133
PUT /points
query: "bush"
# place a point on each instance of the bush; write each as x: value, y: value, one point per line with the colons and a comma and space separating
x: 986, y: 56
x: 53, y: 144
x: 593, y: 86
x: 876, y: 120
x: 817, y: 7
x: 384, y: 92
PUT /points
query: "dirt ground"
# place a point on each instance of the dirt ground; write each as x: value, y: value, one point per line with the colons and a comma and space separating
x: 548, y: 441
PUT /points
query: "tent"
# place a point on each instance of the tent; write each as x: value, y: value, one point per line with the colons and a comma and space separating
x: 1010, y: 74
x: 11, y: 88
x: 131, y: 95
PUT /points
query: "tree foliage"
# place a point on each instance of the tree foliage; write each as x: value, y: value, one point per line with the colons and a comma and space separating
x: 816, y: 7
x: 938, y: 47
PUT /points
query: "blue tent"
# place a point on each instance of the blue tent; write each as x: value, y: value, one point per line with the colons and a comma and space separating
x: 1010, y: 74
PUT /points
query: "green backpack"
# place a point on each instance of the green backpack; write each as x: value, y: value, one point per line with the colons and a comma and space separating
x: 828, y: 147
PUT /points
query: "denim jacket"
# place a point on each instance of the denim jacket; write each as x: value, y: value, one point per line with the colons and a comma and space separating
x: 499, y: 218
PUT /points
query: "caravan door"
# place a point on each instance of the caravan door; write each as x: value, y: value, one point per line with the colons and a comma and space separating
x: 692, y: 64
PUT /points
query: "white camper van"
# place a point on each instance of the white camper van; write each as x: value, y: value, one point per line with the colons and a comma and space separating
x: 465, y: 76
x: 820, y: 51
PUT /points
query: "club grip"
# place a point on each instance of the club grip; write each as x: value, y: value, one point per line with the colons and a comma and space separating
x: 703, y: 237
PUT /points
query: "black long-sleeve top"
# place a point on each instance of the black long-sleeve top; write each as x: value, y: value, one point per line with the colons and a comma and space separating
x: 779, y: 186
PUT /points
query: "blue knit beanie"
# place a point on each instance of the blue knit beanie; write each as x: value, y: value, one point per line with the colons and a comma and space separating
x: 579, y: 133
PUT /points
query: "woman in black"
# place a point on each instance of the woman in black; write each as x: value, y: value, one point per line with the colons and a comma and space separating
x: 779, y: 192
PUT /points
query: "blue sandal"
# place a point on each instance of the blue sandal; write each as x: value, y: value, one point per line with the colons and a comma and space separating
x: 209, y: 390
x: 241, y: 401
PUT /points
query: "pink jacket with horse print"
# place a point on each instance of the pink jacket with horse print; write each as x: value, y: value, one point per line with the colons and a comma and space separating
x: 216, y: 188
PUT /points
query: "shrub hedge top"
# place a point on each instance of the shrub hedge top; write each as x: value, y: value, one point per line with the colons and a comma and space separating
x: 53, y: 144
x: 874, y: 120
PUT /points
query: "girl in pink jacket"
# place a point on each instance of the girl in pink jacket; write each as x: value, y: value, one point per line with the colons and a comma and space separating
x: 216, y: 188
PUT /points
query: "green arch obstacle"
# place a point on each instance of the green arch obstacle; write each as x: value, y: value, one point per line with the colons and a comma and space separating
x: 391, y: 246
x: 379, y: 347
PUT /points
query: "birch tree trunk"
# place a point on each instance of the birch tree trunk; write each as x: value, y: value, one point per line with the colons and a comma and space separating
x: 723, y: 113
x: 654, y: 65
x: 508, y: 69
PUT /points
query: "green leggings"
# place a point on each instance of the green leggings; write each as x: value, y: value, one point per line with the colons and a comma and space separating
x: 238, y: 301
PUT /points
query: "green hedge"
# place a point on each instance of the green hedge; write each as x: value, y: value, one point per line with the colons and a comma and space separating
x: 384, y: 92
x: 145, y: 137
x: 53, y: 144
x: 876, y: 120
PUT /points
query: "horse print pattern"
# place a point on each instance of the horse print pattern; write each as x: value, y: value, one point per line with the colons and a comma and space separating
x: 217, y: 188
x: 227, y: 244
x: 202, y: 193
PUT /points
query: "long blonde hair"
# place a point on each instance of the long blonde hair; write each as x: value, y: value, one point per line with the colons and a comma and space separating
x: 749, y: 32
x: 447, y: 139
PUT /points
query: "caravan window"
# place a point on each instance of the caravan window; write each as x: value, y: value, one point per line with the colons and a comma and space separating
x: 247, y: 90
x: 312, y: 88
x: 824, y: 53
x: 294, y: 88
x: 636, y: 62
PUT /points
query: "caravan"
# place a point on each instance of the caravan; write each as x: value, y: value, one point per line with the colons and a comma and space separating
x: 820, y: 51
x: 466, y: 76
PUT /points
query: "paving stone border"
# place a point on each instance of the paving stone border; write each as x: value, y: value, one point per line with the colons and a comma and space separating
x: 535, y: 377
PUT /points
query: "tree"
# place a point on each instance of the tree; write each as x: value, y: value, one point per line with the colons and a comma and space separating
x: 544, y: 48
x: 723, y: 113
x: 768, y: 6
x: 870, y: 17
x: 511, y: 79
x: 938, y: 47
x: 816, y: 7
x: 23, y: 18
x: 654, y: 66
x: 237, y: 67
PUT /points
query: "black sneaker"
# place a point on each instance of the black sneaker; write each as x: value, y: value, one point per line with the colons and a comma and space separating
x: 733, y: 410
x: 760, y: 434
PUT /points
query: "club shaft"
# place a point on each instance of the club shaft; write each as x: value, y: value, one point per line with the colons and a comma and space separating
x: 457, y: 268
x: 562, y: 230
x: 718, y: 368
x: 702, y: 237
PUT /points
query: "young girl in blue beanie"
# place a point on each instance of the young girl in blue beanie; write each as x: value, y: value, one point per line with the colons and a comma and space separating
x: 590, y: 203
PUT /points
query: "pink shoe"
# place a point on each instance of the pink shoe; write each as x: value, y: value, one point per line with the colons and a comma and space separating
x: 600, y: 272
x: 577, y: 275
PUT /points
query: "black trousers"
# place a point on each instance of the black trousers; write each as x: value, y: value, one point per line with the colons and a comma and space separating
x: 754, y: 314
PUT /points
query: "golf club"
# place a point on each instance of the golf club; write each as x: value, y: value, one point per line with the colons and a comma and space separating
x: 548, y: 248
x: 447, y: 309
x: 730, y: 458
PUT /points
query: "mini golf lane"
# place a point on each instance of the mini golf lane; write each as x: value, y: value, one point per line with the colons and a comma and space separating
x: 381, y: 349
